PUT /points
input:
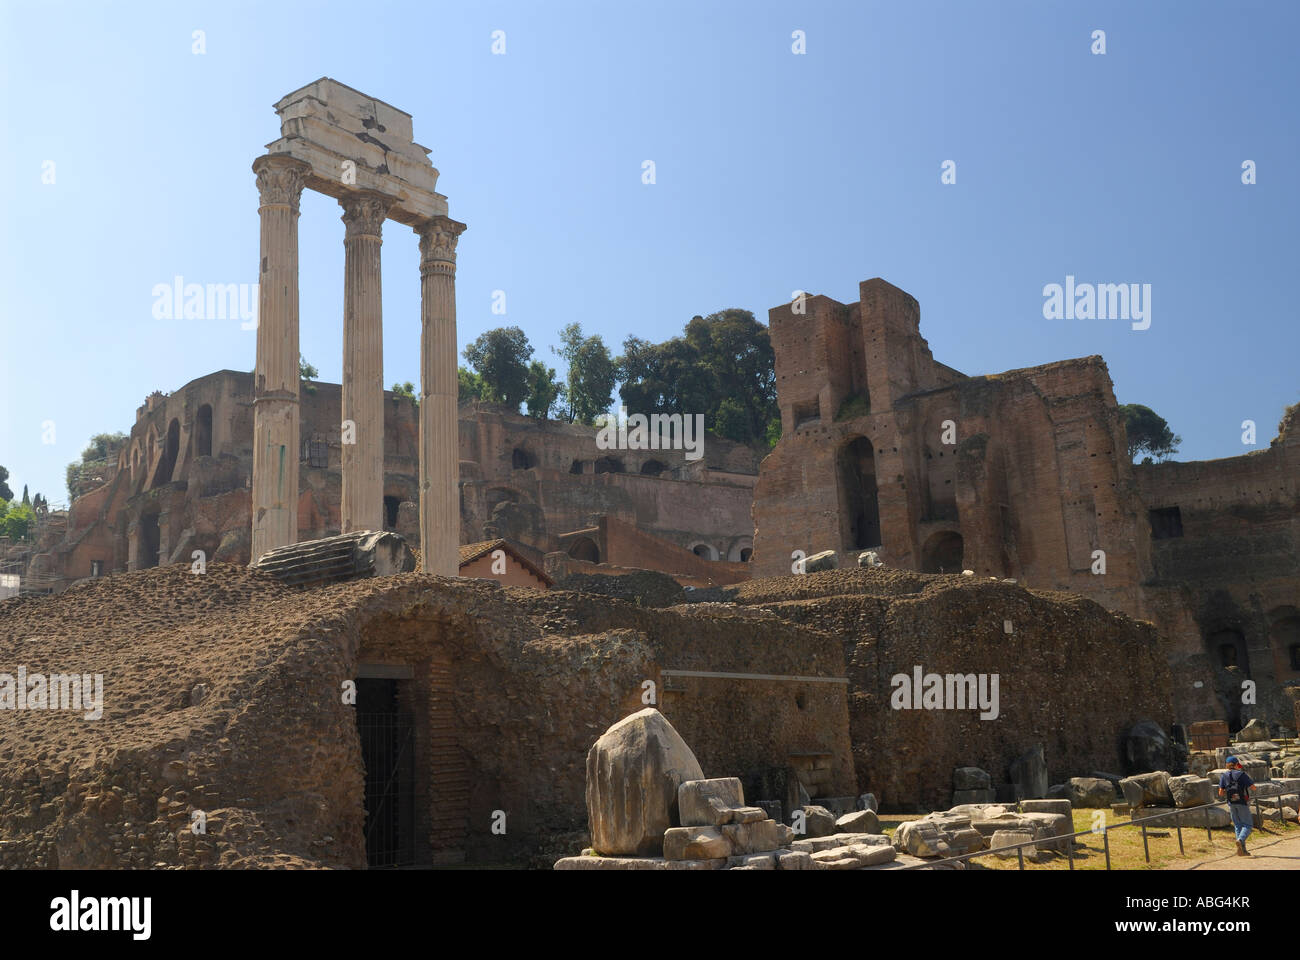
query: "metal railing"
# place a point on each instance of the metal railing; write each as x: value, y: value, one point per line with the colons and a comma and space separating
x: 1177, y: 814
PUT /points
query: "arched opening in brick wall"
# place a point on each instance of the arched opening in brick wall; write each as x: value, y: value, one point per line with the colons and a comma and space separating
x: 705, y: 551
x: 148, y: 542
x: 203, y: 431
x: 942, y: 553
x: 610, y: 465
x: 584, y: 548
x: 522, y: 459
x: 1226, y: 648
x: 1284, y: 635
x: 653, y: 468
x: 171, y: 447
x: 859, y: 508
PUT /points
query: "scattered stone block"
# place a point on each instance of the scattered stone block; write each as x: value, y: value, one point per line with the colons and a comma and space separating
x: 1147, y: 789
x: 749, y: 815
x: 753, y: 861
x: 708, y: 803
x: 794, y: 860
x: 1004, y: 838
x: 757, y: 837
x: 636, y: 863
x: 826, y: 560
x: 818, y: 821
x: 1029, y: 773
x: 963, y: 797
x: 633, y: 772
x: 817, y: 844
x: 1120, y: 809
x: 1051, y: 830
x: 922, y: 838
x: 971, y: 778
x: 697, y: 843
x: 867, y: 801
x: 1046, y: 806
x: 860, y: 821
x: 1191, y: 790
x: 1090, y: 792
x: 1256, y: 729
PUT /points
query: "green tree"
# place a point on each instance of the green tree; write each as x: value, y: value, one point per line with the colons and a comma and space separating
x: 544, y: 390
x: 407, y: 390
x: 305, y: 370
x: 470, y: 386
x: 103, y: 447
x: 5, y: 493
x: 27, y: 501
x: 17, y: 521
x: 1148, y: 432
x: 500, y: 357
x: 589, y: 385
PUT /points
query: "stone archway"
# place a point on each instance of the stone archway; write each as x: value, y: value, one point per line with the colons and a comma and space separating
x: 855, y: 468
x: 942, y: 552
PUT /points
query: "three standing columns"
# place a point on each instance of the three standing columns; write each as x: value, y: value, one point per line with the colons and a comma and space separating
x: 362, y: 505
x: 280, y: 181
x: 439, y: 433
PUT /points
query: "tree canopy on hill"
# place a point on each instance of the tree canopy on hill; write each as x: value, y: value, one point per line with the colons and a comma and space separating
x: 1148, y: 433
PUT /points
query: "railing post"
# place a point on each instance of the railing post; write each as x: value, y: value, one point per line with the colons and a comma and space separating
x: 1209, y: 837
x: 1070, y: 850
x: 1145, y: 849
x: 1178, y: 825
x: 1105, y: 836
x: 1020, y: 854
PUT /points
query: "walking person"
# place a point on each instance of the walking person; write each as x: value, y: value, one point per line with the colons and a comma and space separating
x: 1236, y: 786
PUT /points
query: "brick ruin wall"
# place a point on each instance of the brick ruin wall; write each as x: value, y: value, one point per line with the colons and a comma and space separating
x: 222, y: 693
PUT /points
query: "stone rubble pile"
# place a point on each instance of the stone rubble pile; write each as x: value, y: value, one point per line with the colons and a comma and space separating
x: 1182, y: 800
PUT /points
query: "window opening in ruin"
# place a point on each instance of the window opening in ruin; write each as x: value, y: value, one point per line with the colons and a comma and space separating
x: 171, y: 448
x: 704, y: 551
x: 390, y: 512
x: 387, y: 735
x: 1285, y: 634
x: 609, y: 465
x: 1295, y: 656
x: 807, y: 412
x: 318, y: 454
x: 96, y: 568
x: 860, y: 511
x: 521, y: 459
x: 575, y: 467
x: 584, y: 548
x: 1227, y: 655
x: 1166, y: 522
x: 203, y: 431
x: 653, y: 468
x: 942, y: 553
x: 745, y: 554
x: 150, y: 542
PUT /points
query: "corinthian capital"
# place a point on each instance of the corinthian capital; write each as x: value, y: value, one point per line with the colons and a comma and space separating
x: 280, y: 180
x: 364, y: 214
x: 438, y: 239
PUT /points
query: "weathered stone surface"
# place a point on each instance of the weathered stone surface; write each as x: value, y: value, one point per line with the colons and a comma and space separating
x: 1121, y: 809
x: 867, y: 801
x: 1267, y: 813
x: 637, y: 863
x: 707, y: 803
x: 814, y: 844
x: 1090, y: 792
x: 633, y: 772
x: 861, y: 821
x: 695, y: 843
x: 1257, y: 770
x: 1046, y: 806
x: 818, y: 821
x: 1149, y: 789
x: 1029, y: 773
x: 749, y: 815
x: 1147, y: 748
x: 794, y: 860
x: 965, y: 797
x: 922, y: 838
x: 1200, y: 763
x: 982, y: 811
x: 1191, y: 790
x: 1051, y: 830
x: 870, y: 558
x: 1291, y: 768
x: 826, y: 560
x: 753, y: 861
x: 1254, y: 730
x: 1005, y: 838
x: 971, y: 778
x: 757, y: 837
x: 852, y: 857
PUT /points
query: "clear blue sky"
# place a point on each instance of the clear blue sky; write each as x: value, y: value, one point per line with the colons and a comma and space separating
x: 775, y: 172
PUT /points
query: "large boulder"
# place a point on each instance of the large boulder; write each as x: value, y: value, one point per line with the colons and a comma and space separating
x: 1191, y: 790
x: 1090, y: 792
x: 1147, y: 790
x: 818, y: 821
x: 826, y: 560
x: 1256, y: 729
x: 708, y: 803
x: 860, y: 821
x: 971, y: 778
x: 633, y: 772
x: 1147, y: 748
x: 1029, y: 774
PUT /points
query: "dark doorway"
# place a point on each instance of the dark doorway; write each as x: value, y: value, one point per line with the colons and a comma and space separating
x: 942, y: 553
x: 521, y: 459
x: 171, y: 448
x: 150, y: 542
x: 390, y: 512
x: 860, y: 519
x: 388, y: 753
x: 584, y: 548
x: 203, y: 432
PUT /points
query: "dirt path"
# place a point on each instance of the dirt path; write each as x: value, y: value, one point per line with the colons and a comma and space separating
x: 1269, y: 853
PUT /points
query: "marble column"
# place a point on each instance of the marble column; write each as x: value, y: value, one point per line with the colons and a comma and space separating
x: 362, y: 504
x: 439, y: 436
x: 280, y: 180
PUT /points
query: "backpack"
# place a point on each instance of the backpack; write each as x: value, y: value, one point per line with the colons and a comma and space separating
x: 1234, y: 789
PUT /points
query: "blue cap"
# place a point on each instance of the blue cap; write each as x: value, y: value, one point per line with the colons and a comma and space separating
x: 1232, y: 760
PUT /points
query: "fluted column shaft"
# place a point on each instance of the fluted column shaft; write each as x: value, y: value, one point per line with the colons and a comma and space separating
x: 439, y: 437
x: 362, y: 505
x: 280, y: 181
